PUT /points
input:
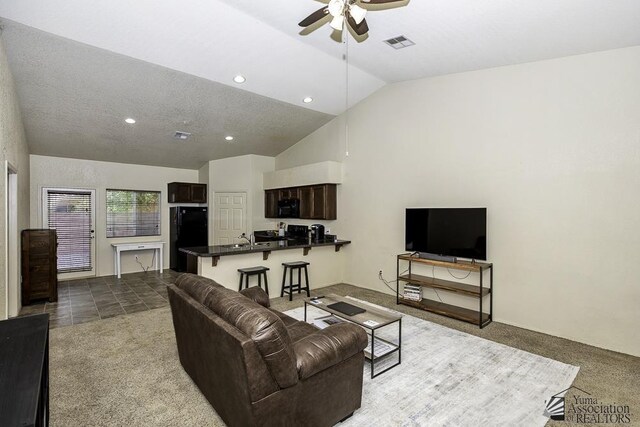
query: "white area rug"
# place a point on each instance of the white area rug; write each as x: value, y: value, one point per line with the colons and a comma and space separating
x: 450, y: 378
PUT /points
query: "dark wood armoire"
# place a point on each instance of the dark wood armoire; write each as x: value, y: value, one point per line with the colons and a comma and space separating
x: 39, y: 265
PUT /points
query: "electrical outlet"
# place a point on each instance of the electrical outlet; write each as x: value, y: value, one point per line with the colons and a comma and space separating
x: 327, y: 231
x: 380, y: 274
x: 136, y: 257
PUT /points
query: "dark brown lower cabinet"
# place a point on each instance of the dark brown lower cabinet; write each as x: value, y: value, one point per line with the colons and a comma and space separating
x: 39, y: 265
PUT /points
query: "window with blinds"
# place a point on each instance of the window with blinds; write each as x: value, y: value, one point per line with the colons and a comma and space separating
x: 69, y: 213
x: 133, y: 213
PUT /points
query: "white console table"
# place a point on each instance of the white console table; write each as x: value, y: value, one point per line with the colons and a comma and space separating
x: 118, y: 248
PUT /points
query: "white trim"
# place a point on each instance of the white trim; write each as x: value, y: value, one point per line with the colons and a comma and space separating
x: 11, y: 273
x: 44, y: 218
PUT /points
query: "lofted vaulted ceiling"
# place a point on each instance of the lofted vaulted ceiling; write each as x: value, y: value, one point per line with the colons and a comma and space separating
x: 82, y: 67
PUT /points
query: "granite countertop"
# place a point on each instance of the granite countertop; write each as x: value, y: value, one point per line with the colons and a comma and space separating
x: 246, y: 248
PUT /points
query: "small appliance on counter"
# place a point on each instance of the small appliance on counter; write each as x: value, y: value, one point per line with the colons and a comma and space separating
x: 267, y: 236
x: 317, y: 232
x: 297, y: 232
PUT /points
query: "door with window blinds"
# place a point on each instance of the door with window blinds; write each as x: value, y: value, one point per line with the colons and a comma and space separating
x: 71, y: 214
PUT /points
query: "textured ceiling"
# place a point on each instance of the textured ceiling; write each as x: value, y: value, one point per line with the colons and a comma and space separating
x: 204, y: 38
x: 75, y: 97
x: 91, y: 65
x: 453, y: 36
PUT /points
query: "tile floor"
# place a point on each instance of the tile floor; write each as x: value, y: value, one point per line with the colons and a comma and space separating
x: 86, y: 300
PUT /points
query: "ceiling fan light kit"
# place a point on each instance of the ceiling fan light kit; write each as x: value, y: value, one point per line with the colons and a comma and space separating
x: 336, y: 7
x: 350, y: 11
x: 358, y: 13
x: 337, y: 23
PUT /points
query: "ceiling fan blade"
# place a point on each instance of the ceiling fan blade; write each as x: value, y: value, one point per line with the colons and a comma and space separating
x: 314, y: 17
x: 379, y: 1
x: 360, y: 29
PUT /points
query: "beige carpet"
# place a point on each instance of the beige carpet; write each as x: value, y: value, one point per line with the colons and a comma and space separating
x: 123, y: 371
x: 101, y: 371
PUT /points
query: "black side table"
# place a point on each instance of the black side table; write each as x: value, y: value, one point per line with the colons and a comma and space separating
x: 24, y: 371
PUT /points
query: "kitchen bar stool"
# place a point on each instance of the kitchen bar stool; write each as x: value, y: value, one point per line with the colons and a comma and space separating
x: 252, y: 271
x: 293, y: 266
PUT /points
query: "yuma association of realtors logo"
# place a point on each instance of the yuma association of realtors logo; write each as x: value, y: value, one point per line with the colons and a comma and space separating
x: 585, y: 409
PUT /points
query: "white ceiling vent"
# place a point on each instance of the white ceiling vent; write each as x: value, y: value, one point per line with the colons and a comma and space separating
x: 399, y: 42
x: 183, y: 136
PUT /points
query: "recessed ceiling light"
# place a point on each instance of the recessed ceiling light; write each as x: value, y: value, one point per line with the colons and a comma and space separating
x: 308, y: 100
x: 239, y: 79
x: 228, y: 138
x: 130, y: 120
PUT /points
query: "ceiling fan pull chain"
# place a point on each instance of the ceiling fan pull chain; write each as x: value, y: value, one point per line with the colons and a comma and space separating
x: 346, y: 117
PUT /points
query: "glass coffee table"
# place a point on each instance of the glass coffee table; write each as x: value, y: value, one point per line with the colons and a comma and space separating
x: 372, y: 319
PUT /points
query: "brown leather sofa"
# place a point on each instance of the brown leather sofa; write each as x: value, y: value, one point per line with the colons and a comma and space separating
x: 257, y: 366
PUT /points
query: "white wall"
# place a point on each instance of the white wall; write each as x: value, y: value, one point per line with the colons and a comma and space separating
x: 14, y: 149
x: 551, y: 148
x: 72, y: 173
x: 203, y: 174
x: 242, y: 174
x: 327, y: 143
x: 260, y: 165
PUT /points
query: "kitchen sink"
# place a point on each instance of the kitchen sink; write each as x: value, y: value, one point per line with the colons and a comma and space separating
x: 261, y: 244
x: 236, y: 245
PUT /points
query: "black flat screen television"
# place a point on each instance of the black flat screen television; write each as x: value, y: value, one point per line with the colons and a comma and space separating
x: 457, y: 232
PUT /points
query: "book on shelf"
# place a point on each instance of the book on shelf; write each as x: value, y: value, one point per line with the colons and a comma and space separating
x: 412, y: 292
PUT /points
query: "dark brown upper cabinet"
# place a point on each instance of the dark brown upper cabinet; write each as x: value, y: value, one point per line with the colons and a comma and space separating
x: 271, y: 203
x: 288, y: 193
x: 316, y: 201
x: 187, y: 192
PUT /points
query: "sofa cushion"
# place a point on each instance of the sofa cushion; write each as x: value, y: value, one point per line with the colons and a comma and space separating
x: 263, y: 327
x: 196, y: 286
x: 328, y: 347
x: 287, y: 320
x: 257, y: 294
x: 299, y: 330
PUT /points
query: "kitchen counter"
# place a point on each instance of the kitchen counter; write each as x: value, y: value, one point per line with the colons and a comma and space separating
x: 264, y: 247
x: 221, y: 263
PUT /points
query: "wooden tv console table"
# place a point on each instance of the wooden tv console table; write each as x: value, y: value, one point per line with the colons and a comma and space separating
x: 479, y: 292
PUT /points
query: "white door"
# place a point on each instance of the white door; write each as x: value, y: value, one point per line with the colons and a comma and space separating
x: 230, y: 217
x: 71, y: 213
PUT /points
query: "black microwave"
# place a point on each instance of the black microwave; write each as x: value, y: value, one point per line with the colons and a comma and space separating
x: 289, y: 208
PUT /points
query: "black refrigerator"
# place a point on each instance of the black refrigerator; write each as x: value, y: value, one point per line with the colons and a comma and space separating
x: 188, y: 229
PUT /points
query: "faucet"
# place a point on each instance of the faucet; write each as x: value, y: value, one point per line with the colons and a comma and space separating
x: 251, y: 239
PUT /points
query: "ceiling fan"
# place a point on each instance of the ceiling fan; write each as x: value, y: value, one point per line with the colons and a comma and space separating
x: 349, y: 11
